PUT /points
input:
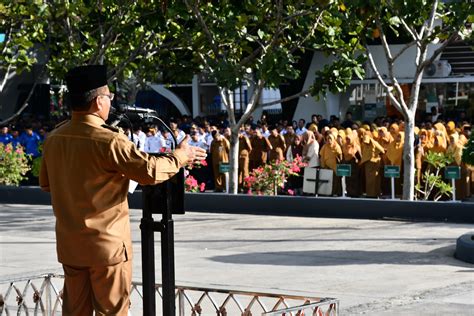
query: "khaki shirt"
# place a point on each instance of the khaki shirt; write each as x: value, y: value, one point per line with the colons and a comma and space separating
x: 87, y: 166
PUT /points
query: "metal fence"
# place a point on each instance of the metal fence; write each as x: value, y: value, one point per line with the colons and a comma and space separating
x: 41, y: 295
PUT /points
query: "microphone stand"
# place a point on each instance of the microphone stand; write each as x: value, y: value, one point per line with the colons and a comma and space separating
x: 165, y: 198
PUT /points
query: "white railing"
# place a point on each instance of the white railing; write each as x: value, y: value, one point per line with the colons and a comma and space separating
x: 41, y: 295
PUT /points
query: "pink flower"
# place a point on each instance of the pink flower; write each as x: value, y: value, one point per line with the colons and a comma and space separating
x: 204, y: 163
x: 202, y: 187
x: 8, y: 149
x: 295, y: 169
x: 291, y: 192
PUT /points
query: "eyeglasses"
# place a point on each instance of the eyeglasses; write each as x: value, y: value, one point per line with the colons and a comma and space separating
x: 110, y: 96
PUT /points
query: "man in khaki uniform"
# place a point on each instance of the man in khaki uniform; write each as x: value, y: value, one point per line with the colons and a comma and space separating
x: 244, y: 151
x: 219, y: 150
x: 86, y: 167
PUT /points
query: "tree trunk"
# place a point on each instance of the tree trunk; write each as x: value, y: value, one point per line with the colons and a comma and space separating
x: 234, y: 161
x: 409, y: 158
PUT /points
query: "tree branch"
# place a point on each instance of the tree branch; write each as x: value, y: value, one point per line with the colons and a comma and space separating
x: 124, y: 64
x: 229, y: 104
x: 7, y: 76
x: 252, y: 105
x: 440, y: 49
x: 390, y: 63
x: 432, y: 17
x: 396, y: 102
x: 204, y: 26
x: 407, y: 46
x: 25, y: 103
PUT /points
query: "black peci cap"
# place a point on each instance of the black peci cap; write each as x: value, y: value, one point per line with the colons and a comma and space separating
x: 86, y: 78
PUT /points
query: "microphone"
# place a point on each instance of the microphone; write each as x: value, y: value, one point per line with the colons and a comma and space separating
x: 134, y: 109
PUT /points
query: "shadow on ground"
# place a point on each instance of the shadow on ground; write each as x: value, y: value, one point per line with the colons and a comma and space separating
x: 439, y: 256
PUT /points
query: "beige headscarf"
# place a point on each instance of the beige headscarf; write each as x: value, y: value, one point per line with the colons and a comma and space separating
x: 395, y: 150
x: 455, y: 148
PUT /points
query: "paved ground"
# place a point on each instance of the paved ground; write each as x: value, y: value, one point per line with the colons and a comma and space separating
x: 373, y: 267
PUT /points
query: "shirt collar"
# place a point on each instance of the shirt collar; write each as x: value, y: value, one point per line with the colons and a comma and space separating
x: 87, y: 118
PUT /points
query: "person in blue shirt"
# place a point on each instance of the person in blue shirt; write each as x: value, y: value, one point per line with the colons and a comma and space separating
x: 31, y: 141
x: 15, y: 140
x: 5, y: 136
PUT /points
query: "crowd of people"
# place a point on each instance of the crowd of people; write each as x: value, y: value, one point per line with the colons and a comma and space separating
x: 322, y: 143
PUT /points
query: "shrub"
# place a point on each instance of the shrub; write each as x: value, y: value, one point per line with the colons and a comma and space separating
x: 13, y: 164
x: 268, y: 179
x: 433, y: 186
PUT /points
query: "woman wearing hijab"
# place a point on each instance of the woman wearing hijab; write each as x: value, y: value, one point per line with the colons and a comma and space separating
x: 371, y: 162
x: 384, y: 139
x: 439, y: 139
x: 295, y: 149
x: 394, y: 129
x: 423, y: 147
x: 454, y: 150
x: 394, y: 156
x: 351, y: 155
x: 310, y: 153
x: 330, y: 155
x: 310, y: 149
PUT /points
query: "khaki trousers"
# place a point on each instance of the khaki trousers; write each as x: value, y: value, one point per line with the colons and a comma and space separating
x: 105, y: 290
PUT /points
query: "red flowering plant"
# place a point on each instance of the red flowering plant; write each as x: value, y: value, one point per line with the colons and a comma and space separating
x: 190, y: 183
x: 271, y: 178
x: 13, y: 164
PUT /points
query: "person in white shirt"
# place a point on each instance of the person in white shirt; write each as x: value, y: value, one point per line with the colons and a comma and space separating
x: 209, y: 137
x: 154, y: 141
x: 265, y: 131
x: 196, y: 141
x: 179, y: 134
x: 138, y: 138
x: 301, y: 127
x: 167, y: 140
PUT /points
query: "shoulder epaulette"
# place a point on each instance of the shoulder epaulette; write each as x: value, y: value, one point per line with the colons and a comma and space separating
x: 112, y: 128
x: 61, y: 123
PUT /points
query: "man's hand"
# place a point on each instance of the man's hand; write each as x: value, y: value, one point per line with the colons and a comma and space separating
x: 193, y: 153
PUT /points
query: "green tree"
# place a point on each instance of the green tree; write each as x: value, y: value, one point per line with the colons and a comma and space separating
x: 257, y: 43
x: 127, y: 36
x: 23, y: 29
x: 428, y: 27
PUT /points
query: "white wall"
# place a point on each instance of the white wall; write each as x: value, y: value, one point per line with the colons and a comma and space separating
x: 309, y: 106
x: 338, y: 104
x: 404, y: 66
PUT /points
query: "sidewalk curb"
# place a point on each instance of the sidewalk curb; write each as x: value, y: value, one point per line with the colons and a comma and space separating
x: 302, y: 206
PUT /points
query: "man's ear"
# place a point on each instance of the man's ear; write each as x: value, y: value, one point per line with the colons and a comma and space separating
x: 96, y: 105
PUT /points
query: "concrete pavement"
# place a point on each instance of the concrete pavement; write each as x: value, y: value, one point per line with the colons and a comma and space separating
x: 373, y: 267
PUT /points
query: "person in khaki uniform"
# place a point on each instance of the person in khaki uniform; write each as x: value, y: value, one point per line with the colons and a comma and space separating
x: 220, y: 148
x: 260, y: 147
x: 278, y: 146
x: 86, y: 167
x: 371, y: 163
x: 330, y: 156
x: 244, y: 152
